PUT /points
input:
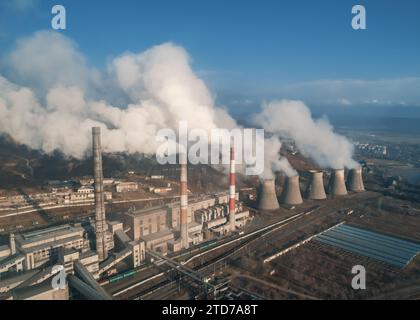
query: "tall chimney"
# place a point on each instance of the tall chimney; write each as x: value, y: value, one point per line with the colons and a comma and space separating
x: 355, y: 180
x: 267, y: 199
x: 184, y: 200
x: 337, y: 185
x: 12, y: 244
x: 291, y: 194
x: 232, y: 192
x: 316, y: 190
x: 100, y: 219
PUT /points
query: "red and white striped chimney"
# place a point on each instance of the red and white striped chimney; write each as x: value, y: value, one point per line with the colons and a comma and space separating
x: 184, y: 200
x: 232, y: 193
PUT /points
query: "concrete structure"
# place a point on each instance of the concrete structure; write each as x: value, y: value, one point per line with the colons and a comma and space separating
x: 291, y: 193
x: 100, y: 218
x: 316, y: 189
x: 127, y: 187
x: 184, y: 200
x: 12, y: 244
x: 337, y: 186
x: 146, y: 222
x: 159, y: 241
x: 355, y: 180
x: 42, y: 291
x: 138, y: 250
x: 42, y: 247
x: 267, y: 199
x: 232, y: 192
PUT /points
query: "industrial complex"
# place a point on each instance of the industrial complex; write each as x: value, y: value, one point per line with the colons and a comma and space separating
x: 222, y: 245
x: 90, y: 251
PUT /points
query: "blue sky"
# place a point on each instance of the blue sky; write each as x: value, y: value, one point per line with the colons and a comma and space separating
x: 249, y: 50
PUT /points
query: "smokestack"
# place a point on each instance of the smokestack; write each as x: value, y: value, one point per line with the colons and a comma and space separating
x: 337, y: 186
x: 291, y: 194
x: 267, y: 199
x: 184, y: 200
x: 100, y: 219
x: 355, y: 180
x: 12, y: 243
x: 316, y: 190
x: 232, y: 192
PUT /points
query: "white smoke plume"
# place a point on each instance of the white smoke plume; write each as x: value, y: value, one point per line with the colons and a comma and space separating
x: 50, y: 98
x: 314, y: 138
x: 273, y: 161
x: 51, y: 107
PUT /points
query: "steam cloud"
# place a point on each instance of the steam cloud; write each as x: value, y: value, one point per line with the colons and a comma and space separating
x: 52, y: 102
x: 50, y: 99
x: 273, y: 161
x: 314, y: 138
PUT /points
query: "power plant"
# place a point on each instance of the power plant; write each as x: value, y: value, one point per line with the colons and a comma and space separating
x: 291, y: 193
x: 98, y: 248
x: 355, y: 180
x: 134, y: 237
x: 316, y: 189
x: 337, y: 186
x: 267, y: 199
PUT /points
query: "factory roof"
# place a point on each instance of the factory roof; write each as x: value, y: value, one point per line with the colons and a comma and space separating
x: 51, y: 244
x: 11, y: 260
x: 387, y: 249
x: 46, y: 234
x: 146, y: 211
x: 164, y: 234
x: 122, y: 236
x: 29, y: 292
x: 4, y: 248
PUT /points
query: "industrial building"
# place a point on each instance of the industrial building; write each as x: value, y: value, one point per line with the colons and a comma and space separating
x: 89, y: 251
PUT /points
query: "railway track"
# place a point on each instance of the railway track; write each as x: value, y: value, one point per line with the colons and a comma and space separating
x: 206, y: 268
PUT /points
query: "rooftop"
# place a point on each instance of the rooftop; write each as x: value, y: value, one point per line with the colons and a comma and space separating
x: 45, y: 234
x: 384, y: 248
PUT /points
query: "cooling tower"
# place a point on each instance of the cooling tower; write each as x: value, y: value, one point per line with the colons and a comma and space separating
x: 100, y: 219
x: 337, y: 186
x: 316, y: 190
x: 291, y: 194
x: 355, y: 180
x: 267, y: 199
